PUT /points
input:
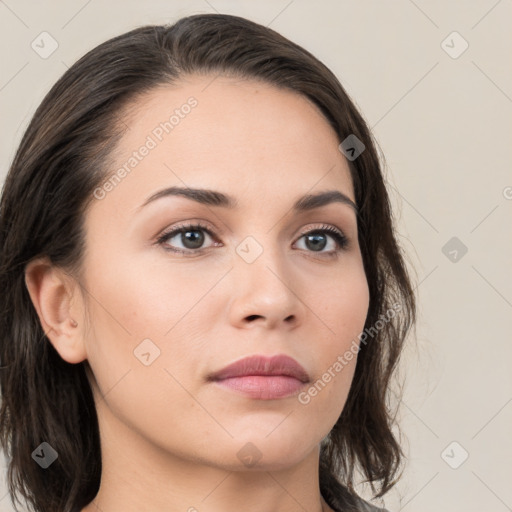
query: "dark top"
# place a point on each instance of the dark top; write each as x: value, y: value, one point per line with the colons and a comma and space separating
x: 368, y: 507
x: 362, y: 506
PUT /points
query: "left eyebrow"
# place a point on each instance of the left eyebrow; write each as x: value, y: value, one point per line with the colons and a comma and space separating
x: 311, y: 201
x: 215, y: 198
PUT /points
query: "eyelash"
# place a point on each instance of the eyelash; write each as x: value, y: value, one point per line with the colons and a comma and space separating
x: 340, y: 239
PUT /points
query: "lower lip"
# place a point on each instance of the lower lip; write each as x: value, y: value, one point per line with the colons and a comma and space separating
x: 263, y: 387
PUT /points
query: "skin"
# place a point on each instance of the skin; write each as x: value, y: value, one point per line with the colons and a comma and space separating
x: 169, y: 437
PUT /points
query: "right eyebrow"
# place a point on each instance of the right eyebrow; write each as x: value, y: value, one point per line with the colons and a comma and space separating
x: 216, y: 198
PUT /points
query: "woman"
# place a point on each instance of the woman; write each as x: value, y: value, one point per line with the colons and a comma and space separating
x: 204, y: 301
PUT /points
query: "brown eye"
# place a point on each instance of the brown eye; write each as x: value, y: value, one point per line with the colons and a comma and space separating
x: 317, y: 240
x: 191, y: 237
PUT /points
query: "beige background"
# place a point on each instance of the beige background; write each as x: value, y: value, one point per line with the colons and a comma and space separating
x: 445, y: 127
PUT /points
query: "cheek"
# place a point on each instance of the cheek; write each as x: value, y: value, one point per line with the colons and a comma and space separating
x: 345, y: 305
x: 143, y: 319
x: 141, y: 348
x: 140, y: 298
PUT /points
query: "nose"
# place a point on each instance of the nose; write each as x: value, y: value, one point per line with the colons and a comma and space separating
x: 264, y: 292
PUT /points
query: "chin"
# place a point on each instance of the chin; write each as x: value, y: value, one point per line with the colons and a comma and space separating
x: 271, y: 452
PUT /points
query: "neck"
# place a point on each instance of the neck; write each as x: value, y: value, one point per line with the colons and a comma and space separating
x: 138, y: 475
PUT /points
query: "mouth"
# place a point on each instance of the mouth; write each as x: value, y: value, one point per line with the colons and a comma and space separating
x: 263, y: 378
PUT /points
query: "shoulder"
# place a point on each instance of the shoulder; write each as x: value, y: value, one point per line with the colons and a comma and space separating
x: 365, y: 506
x: 342, y: 500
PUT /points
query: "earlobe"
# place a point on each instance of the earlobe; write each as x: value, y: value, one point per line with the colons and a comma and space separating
x: 51, y: 291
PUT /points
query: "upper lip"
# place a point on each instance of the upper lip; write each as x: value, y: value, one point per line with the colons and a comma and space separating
x: 262, y: 365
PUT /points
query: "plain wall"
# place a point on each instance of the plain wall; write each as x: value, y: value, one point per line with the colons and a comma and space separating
x: 443, y: 119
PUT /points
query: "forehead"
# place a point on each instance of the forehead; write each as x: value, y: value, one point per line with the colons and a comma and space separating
x: 227, y: 133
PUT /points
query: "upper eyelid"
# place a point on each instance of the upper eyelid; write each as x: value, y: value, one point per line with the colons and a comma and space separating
x: 199, y: 225
x: 323, y: 227
x: 212, y: 230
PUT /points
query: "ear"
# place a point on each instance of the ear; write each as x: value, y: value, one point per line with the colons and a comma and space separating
x: 57, y: 302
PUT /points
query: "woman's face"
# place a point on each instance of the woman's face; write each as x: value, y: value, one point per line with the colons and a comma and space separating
x: 165, y: 315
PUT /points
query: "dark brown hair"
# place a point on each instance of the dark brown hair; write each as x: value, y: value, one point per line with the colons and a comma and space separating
x: 63, y: 157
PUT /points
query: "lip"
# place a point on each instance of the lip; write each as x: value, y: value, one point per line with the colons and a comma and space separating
x: 262, y: 377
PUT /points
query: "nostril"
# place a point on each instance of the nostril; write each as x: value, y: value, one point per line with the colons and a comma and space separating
x: 253, y: 317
